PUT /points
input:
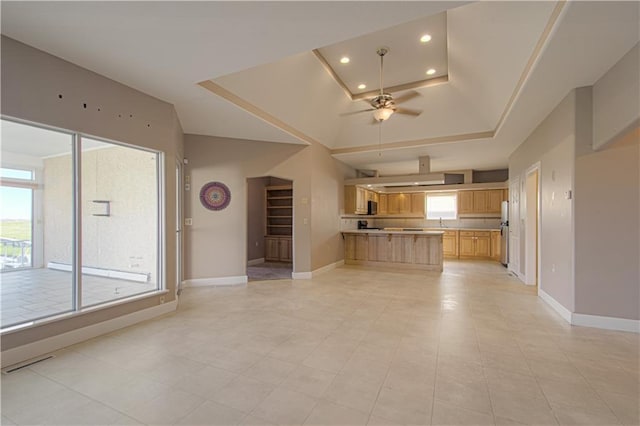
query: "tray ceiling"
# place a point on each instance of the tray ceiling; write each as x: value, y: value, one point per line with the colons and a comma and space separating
x: 507, y: 65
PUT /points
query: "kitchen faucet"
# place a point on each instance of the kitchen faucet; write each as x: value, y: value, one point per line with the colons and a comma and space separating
x: 442, y: 225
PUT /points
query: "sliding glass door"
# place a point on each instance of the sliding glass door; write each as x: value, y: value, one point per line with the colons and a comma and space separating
x: 115, y: 216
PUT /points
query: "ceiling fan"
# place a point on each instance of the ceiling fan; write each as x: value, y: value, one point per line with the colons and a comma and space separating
x: 384, y: 104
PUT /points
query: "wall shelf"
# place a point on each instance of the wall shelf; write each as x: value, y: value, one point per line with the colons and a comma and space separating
x: 279, y: 223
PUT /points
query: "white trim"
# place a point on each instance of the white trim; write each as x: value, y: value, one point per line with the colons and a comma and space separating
x: 205, y: 282
x: 50, y: 344
x: 301, y: 275
x: 255, y: 261
x: 557, y: 306
x: 607, y: 323
x: 585, y: 320
x: 327, y: 268
x: 321, y: 270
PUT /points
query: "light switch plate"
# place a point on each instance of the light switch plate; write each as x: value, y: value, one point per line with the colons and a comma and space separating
x: 188, y: 221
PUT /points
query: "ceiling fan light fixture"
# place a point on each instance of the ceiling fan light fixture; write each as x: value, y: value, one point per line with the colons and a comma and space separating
x: 382, y: 114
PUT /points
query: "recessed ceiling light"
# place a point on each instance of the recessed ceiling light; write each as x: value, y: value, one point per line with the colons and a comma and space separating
x: 362, y: 86
x: 344, y: 60
x: 425, y: 38
x: 431, y: 71
x: 415, y: 183
x: 368, y: 186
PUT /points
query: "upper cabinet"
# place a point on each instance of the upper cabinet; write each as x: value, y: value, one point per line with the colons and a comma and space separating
x: 418, y: 203
x: 356, y: 198
x: 480, y: 202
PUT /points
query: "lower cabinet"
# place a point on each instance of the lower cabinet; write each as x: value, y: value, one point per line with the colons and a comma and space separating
x: 496, y: 241
x: 450, y: 244
x: 278, y: 249
x: 417, y: 251
x: 475, y: 244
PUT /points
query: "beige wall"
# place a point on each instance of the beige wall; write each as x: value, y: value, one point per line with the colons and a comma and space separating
x: 607, y: 197
x: 608, y: 232
x: 552, y: 145
x: 616, y: 99
x: 31, y: 83
x: 216, y: 243
x: 590, y: 243
x: 327, y: 200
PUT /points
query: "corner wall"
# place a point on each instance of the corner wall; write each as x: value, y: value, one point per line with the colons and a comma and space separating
x: 216, y: 243
x: 590, y: 244
x: 552, y: 144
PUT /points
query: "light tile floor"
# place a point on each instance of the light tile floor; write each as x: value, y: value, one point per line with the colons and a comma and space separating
x: 351, y: 347
x: 29, y: 294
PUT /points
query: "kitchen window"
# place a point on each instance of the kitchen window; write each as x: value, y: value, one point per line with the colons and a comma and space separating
x: 442, y: 206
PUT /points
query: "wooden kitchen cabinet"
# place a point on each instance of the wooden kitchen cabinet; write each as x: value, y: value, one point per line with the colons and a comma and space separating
x: 494, y: 200
x: 475, y: 244
x: 383, y: 204
x: 480, y: 202
x: 495, y: 245
x: 356, y: 247
x: 418, y: 203
x: 398, y: 203
x: 278, y: 249
x: 465, y: 202
x: 450, y: 244
x: 355, y: 200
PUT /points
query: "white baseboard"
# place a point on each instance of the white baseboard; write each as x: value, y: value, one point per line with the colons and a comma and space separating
x: 316, y: 272
x: 327, y: 268
x: 586, y: 320
x: 564, y: 312
x: 301, y: 275
x: 50, y: 344
x: 255, y: 261
x: 607, y: 323
x: 205, y: 282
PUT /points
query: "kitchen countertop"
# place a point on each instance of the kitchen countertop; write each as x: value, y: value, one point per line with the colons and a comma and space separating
x: 397, y: 231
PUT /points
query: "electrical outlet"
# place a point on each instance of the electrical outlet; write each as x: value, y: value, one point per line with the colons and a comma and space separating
x: 188, y: 221
x: 161, y: 299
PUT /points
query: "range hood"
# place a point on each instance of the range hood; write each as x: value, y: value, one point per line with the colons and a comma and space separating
x: 424, y: 177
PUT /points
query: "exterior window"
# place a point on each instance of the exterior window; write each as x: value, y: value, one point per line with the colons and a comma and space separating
x: 118, y: 211
x: 442, y: 206
x: 19, y: 174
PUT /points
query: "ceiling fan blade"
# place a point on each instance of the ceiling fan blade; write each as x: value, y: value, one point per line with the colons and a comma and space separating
x: 409, y: 95
x: 344, y: 114
x: 407, y: 111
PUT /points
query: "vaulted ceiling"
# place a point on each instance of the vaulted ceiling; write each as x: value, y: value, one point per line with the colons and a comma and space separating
x: 270, y: 70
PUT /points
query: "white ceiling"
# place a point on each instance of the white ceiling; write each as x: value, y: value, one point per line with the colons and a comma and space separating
x: 407, y: 61
x: 261, y: 52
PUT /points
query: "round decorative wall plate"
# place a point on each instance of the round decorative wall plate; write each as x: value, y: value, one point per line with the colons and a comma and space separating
x: 215, y: 196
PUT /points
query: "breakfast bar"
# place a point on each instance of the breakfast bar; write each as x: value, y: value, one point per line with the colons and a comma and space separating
x: 414, y: 249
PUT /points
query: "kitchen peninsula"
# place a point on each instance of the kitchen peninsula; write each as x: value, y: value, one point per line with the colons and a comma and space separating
x: 415, y: 249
